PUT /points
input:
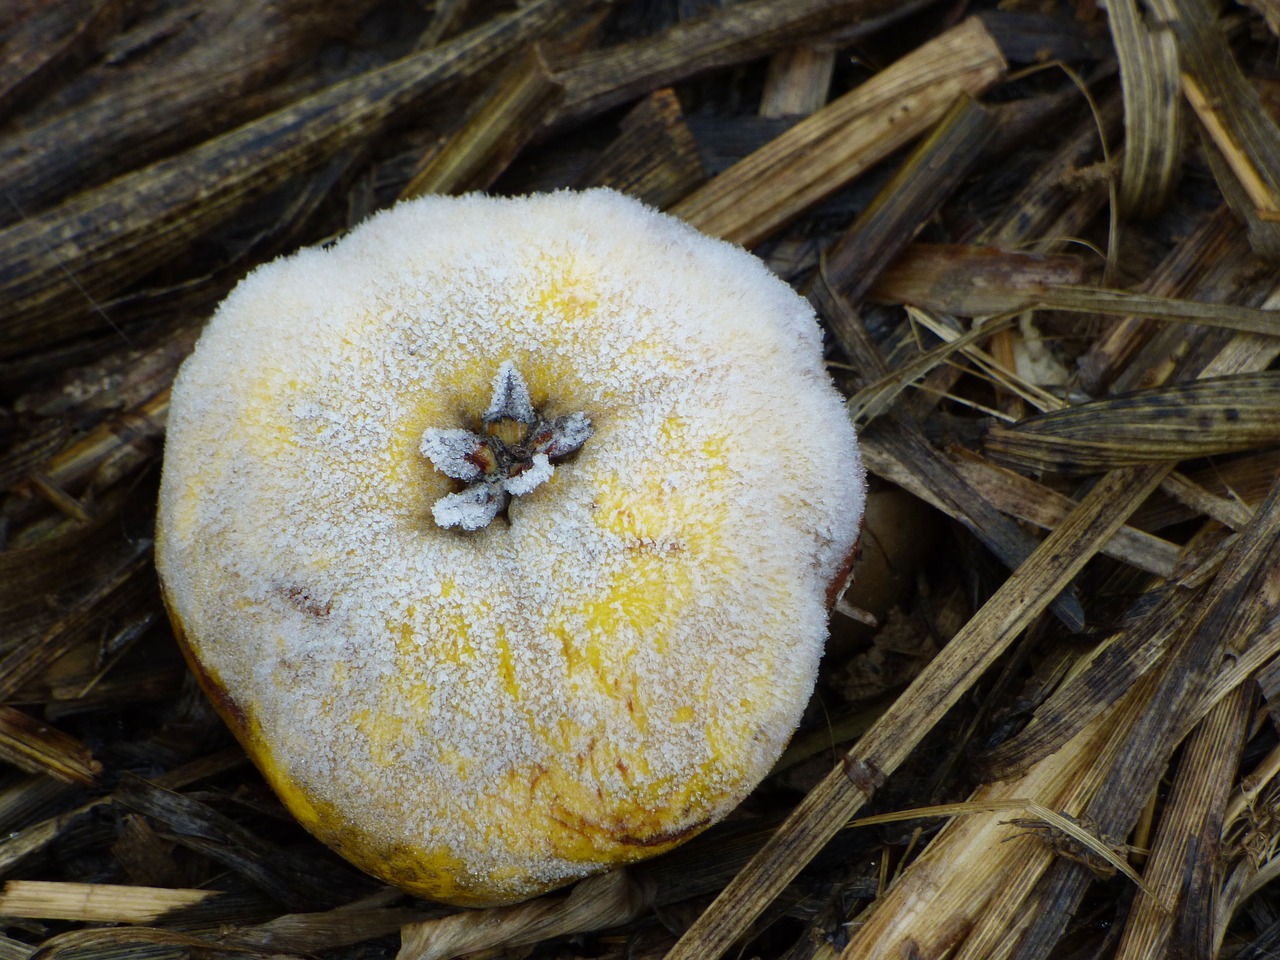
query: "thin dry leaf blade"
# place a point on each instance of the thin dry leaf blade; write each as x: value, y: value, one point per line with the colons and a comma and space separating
x: 1180, y: 422
x: 973, y: 281
x: 1150, y: 83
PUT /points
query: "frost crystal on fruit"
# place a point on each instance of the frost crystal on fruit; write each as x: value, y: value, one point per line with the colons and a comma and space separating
x: 621, y: 649
x: 495, y: 469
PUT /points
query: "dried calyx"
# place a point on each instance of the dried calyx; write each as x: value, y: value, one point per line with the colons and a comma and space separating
x: 514, y: 455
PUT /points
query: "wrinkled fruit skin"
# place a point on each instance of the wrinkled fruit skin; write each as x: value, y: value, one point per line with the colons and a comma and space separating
x: 479, y: 705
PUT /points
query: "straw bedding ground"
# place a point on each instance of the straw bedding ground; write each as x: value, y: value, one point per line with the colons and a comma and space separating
x: 1042, y: 237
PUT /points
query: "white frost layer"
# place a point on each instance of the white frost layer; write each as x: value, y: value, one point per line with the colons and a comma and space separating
x: 664, y: 590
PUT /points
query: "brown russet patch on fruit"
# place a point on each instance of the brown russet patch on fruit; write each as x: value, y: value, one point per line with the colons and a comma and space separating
x: 302, y: 600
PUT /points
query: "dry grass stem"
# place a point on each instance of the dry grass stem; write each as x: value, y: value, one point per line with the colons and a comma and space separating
x: 1187, y: 844
x: 601, y: 79
x: 600, y: 902
x: 798, y: 81
x: 474, y: 157
x: 756, y: 197
x: 1251, y: 181
x: 96, y: 902
x: 60, y: 265
x: 843, y: 791
x: 654, y: 156
x: 931, y: 174
x: 36, y: 747
x: 1032, y: 812
x: 1245, y: 151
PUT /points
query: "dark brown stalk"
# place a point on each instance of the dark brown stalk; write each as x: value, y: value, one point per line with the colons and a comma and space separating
x: 601, y: 79
x: 653, y: 158
x: 210, y: 82
x: 1216, y: 237
x: 1182, y: 868
x: 32, y: 745
x: 56, y: 268
x: 760, y: 194
x: 51, y: 40
x: 929, y: 175
x: 506, y: 119
x: 972, y: 281
x: 901, y: 441
x: 1244, y: 139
